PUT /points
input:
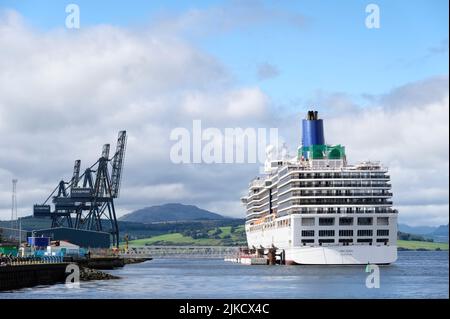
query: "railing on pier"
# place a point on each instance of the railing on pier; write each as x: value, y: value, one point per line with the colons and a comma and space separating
x: 12, y: 260
x: 181, y: 251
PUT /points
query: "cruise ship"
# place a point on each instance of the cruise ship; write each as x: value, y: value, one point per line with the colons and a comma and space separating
x: 317, y: 209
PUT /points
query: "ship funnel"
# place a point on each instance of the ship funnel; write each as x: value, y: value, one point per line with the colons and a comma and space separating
x: 313, y: 141
x: 312, y: 130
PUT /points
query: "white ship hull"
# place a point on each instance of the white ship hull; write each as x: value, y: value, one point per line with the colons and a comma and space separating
x: 288, y: 239
x: 341, y: 255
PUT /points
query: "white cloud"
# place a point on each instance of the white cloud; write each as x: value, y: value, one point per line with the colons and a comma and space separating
x: 225, y: 208
x: 243, y: 103
x: 151, y: 193
x: 424, y: 215
x: 232, y: 15
x: 64, y: 94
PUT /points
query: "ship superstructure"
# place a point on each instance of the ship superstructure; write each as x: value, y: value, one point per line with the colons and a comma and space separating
x: 317, y: 209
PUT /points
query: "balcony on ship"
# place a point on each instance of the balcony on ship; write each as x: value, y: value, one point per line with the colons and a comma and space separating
x: 338, y: 210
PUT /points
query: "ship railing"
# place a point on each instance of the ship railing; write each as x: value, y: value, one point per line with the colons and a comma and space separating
x: 339, y: 193
x: 339, y: 201
x: 340, y: 211
x: 329, y: 176
x: 339, y: 183
x: 102, y: 252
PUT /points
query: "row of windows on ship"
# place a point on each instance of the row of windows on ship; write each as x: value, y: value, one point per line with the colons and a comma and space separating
x: 333, y: 210
x: 286, y: 201
x: 339, y: 192
x: 330, y: 192
x: 337, y: 201
x: 335, y: 175
x: 376, y: 168
x: 344, y: 241
x: 325, y: 221
x: 333, y: 184
x: 344, y: 201
x: 346, y: 233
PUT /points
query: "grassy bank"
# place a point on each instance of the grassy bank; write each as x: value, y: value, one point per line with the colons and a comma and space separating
x: 174, y: 239
x: 414, y: 245
x: 224, y: 238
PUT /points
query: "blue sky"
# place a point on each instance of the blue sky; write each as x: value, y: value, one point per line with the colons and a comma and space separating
x: 331, y: 51
x: 152, y: 66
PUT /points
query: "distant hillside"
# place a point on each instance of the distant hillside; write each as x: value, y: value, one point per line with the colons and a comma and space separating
x: 170, y: 213
x: 440, y: 234
x: 418, y: 230
x: 437, y: 234
x: 29, y: 223
x: 441, y: 231
x: 140, y: 230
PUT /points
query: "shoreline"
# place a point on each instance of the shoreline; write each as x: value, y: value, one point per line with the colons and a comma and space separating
x: 421, y: 249
x: 90, y: 274
x: 16, y: 277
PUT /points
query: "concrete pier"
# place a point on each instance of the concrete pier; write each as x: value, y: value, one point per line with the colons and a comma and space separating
x: 22, y: 276
x: 102, y: 262
x: 260, y: 256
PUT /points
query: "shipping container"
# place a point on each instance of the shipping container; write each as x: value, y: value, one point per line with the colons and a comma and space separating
x: 39, y: 241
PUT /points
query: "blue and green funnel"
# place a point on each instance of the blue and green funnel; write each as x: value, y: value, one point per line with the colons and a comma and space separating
x: 313, y: 140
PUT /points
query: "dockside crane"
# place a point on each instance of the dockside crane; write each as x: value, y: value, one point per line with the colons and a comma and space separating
x: 90, y: 206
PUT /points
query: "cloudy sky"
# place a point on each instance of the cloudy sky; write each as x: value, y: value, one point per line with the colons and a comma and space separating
x: 149, y: 67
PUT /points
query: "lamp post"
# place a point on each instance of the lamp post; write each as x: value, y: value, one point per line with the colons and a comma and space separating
x: 20, y: 233
x: 32, y: 242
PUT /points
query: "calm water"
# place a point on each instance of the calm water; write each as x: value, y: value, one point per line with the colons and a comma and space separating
x: 414, y: 275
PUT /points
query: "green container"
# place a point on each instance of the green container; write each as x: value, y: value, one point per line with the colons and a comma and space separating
x: 323, y: 151
x: 8, y: 250
x: 336, y: 152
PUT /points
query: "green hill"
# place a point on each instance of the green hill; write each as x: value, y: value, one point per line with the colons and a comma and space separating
x: 169, y: 213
